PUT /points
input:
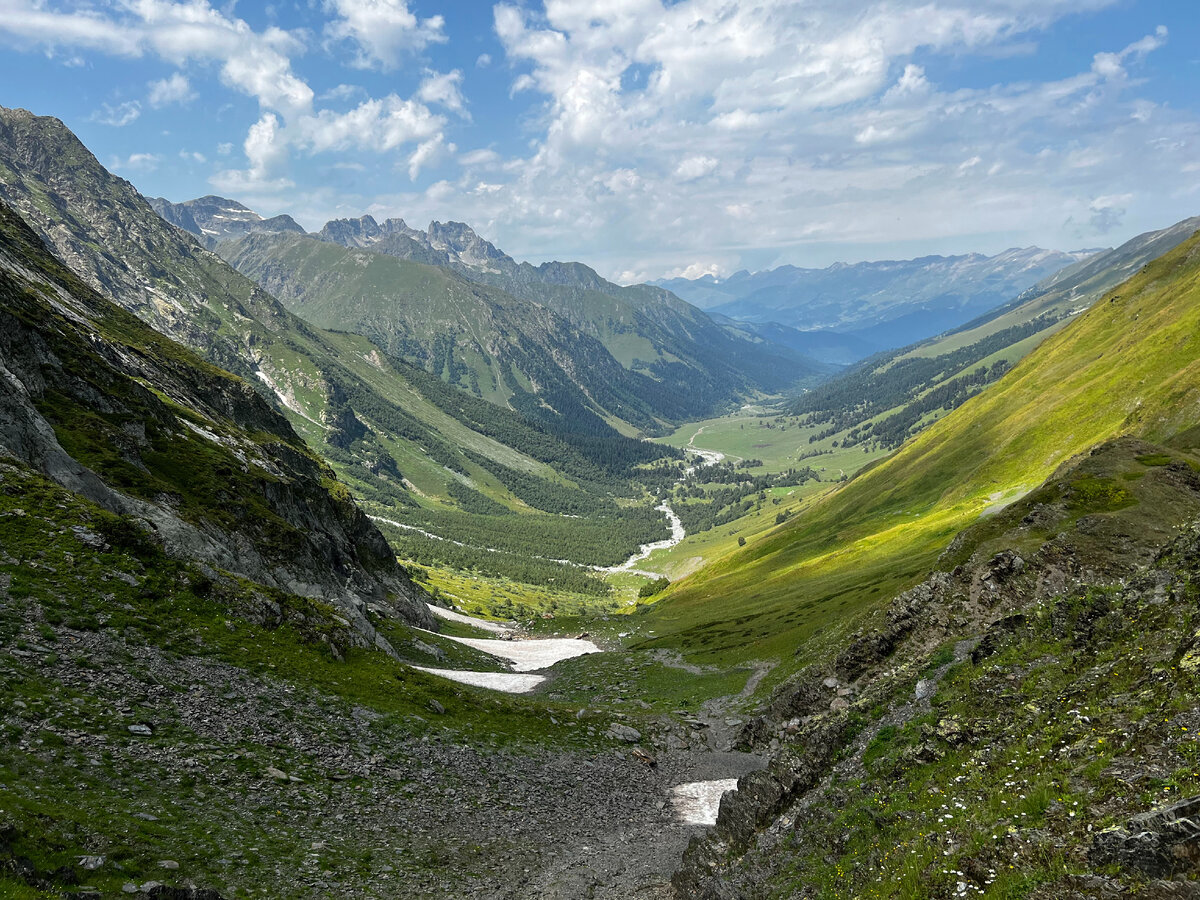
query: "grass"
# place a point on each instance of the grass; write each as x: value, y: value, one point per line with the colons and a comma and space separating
x: 1128, y: 366
x: 1023, y: 757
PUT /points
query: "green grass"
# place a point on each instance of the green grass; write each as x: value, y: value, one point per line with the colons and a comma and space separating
x: 1131, y: 366
x: 1004, y: 782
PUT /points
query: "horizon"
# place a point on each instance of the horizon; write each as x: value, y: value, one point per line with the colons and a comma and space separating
x: 647, y: 140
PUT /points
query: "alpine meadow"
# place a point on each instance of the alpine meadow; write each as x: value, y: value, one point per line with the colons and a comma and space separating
x: 563, y: 450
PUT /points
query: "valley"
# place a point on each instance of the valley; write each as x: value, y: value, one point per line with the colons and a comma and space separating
x: 369, y: 561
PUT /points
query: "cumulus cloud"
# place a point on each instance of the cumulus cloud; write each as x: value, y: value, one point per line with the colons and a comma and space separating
x: 443, y: 89
x: 118, y: 116
x: 384, y: 30
x: 258, y: 63
x: 174, y: 89
x: 807, y: 124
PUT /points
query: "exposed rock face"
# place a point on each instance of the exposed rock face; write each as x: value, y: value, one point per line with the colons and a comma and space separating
x: 215, y: 219
x: 1160, y: 843
x: 196, y: 454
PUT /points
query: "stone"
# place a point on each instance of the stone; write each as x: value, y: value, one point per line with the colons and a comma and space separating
x: 437, y: 707
x: 129, y: 888
x: 277, y: 774
x: 926, y: 688
x: 168, y: 864
x: 141, y: 729
x: 644, y: 756
x: 91, y: 863
x: 625, y: 733
x: 839, y: 703
x: 1159, y: 844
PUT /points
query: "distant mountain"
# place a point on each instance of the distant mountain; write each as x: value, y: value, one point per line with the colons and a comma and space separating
x: 644, y: 327
x: 216, y: 219
x: 888, y: 304
x: 889, y: 397
x: 823, y: 346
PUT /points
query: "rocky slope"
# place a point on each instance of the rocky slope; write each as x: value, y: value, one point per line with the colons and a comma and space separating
x: 1007, y: 727
x: 103, y: 405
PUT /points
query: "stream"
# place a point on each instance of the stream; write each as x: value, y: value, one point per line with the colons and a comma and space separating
x: 694, y: 803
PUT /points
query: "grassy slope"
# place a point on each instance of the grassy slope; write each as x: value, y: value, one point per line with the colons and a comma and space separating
x: 1128, y: 366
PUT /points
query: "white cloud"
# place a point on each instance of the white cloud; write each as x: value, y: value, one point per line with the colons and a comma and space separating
x: 135, y: 162
x: 384, y: 30
x: 174, y: 89
x: 117, y: 116
x: 693, y: 167
x: 258, y: 63
x: 442, y: 89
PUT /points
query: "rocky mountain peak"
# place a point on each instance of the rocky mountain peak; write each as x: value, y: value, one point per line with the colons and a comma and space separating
x: 461, y: 240
x: 214, y: 219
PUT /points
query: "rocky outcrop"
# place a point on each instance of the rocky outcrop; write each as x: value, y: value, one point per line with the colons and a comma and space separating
x: 98, y: 402
x: 1159, y: 844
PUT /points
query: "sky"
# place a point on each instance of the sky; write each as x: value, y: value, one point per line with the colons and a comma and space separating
x: 646, y: 138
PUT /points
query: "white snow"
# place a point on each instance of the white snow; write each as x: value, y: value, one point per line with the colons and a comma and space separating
x: 451, y: 615
x: 531, y: 655
x: 497, y: 681
x: 698, y: 802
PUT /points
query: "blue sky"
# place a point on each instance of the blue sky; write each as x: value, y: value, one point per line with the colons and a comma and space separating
x: 646, y: 138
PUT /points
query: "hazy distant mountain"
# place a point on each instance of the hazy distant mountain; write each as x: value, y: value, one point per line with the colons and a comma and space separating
x: 888, y: 303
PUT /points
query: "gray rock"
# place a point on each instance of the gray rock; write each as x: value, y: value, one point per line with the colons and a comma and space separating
x: 624, y: 733
x: 926, y: 688
x: 168, y: 864
x: 1160, y: 843
x: 91, y: 863
x: 141, y: 730
x: 276, y: 774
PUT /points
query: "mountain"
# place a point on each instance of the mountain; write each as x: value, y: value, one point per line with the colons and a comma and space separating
x: 644, y: 327
x: 100, y: 403
x: 887, y: 398
x: 823, y: 346
x: 1125, y: 367
x: 417, y: 451
x: 508, y: 350
x: 979, y: 732
x: 215, y: 219
x: 888, y: 303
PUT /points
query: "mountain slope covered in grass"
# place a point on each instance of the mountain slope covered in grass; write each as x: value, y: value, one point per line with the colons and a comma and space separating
x: 884, y: 400
x: 1128, y: 366
x: 415, y: 450
x: 477, y: 338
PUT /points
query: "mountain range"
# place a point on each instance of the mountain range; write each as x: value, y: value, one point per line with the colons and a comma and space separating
x: 884, y: 304
x: 968, y: 667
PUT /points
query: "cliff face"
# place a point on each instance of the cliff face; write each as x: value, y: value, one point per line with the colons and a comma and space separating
x: 102, y: 404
